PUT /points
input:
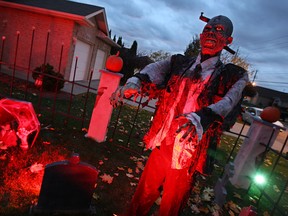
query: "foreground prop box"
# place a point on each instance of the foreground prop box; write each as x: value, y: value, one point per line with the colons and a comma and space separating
x: 67, y: 188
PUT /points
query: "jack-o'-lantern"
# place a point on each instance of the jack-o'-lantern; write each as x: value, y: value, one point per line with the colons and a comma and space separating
x: 270, y: 114
x: 114, y: 63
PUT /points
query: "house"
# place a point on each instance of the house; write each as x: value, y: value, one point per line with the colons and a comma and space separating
x: 72, y: 37
x: 266, y: 97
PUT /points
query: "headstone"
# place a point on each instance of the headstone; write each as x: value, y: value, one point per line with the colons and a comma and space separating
x: 24, y: 114
x: 260, y: 133
x: 219, y: 189
x: 67, y: 188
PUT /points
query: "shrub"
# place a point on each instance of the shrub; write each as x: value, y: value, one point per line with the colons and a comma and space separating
x: 51, y: 80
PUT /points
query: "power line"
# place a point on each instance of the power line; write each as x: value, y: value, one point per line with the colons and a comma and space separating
x: 271, y: 82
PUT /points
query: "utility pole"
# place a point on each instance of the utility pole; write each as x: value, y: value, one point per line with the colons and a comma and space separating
x: 254, y: 76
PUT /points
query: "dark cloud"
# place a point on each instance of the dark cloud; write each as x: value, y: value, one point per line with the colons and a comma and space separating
x: 260, y: 32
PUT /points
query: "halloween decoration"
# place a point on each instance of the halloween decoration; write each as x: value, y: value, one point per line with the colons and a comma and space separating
x: 18, y: 121
x: 270, y: 114
x: 189, y: 115
x: 114, y: 63
x: 39, y: 81
x: 102, y: 110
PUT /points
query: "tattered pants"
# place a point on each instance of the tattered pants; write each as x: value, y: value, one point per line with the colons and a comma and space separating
x: 176, y: 185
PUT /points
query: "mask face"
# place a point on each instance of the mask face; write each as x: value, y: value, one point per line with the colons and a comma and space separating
x: 216, y: 34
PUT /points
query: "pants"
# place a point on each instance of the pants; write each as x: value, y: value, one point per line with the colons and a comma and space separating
x: 176, y: 185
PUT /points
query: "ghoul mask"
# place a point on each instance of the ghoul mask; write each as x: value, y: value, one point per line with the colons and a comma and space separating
x: 216, y: 35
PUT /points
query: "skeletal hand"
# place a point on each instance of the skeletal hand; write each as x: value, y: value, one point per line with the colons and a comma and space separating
x: 185, y: 125
x: 127, y: 91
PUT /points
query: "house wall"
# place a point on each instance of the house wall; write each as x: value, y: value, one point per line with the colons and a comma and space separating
x: 60, y: 32
x: 88, y: 35
x: 45, y: 35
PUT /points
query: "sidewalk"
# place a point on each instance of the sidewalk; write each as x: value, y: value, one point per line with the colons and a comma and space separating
x: 277, y: 145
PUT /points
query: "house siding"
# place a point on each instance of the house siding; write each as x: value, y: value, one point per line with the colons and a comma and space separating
x: 61, y: 31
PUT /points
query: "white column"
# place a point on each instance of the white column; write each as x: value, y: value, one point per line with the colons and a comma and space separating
x: 102, y: 111
x: 259, y: 132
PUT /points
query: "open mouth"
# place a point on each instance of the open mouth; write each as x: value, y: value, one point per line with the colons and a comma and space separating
x: 210, y: 42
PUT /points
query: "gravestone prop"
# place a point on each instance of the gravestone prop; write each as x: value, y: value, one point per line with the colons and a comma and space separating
x: 67, y: 188
x: 219, y: 189
x: 21, y: 118
x: 261, y: 136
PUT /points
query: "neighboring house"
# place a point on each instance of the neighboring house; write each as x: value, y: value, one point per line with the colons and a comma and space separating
x: 266, y: 97
x: 55, y: 32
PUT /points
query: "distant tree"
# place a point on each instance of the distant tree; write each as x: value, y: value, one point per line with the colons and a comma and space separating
x: 120, y: 42
x: 159, y: 55
x: 134, y: 47
x: 193, y: 47
x: 236, y: 59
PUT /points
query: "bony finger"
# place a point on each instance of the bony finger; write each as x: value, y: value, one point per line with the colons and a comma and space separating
x: 184, y: 136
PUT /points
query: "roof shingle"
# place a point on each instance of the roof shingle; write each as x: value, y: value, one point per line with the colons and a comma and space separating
x: 60, y: 5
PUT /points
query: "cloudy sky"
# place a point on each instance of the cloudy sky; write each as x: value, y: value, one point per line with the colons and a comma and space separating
x: 260, y: 29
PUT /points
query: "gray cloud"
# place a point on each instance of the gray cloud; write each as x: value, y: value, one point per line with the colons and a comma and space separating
x: 260, y: 31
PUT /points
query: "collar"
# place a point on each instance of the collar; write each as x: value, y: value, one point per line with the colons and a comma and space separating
x: 207, y: 64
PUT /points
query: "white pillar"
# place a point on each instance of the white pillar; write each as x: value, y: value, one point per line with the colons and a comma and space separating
x: 244, y: 164
x: 102, y: 111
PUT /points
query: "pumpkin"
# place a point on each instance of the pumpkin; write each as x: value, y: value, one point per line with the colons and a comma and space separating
x: 270, y: 114
x: 114, y: 63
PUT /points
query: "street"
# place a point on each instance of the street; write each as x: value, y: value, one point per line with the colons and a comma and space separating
x: 278, y: 144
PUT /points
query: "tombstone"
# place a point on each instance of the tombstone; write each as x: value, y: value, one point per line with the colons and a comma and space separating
x: 24, y: 114
x: 67, y: 188
x: 260, y: 133
x: 219, y: 189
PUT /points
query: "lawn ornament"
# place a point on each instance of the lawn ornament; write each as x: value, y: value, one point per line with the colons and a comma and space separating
x: 248, y: 211
x: 270, y: 114
x: 39, y: 81
x: 102, y: 110
x: 220, y: 190
x: 114, y: 63
x: 260, y: 134
x: 67, y: 188
x: 20, y: 118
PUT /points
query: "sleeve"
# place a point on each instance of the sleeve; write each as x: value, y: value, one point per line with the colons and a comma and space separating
x: 154, y: 72
x: 232, y: 97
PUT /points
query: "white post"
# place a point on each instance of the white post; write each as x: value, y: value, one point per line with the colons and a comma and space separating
x: 244, y: 164
x: 102, y: 111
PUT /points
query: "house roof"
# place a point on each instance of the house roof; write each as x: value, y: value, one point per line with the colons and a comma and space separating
x: 270, y: 93
x: 79, y: 12
x: 61, y: 5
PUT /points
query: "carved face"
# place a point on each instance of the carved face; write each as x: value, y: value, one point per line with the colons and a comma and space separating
x: 216, y: 34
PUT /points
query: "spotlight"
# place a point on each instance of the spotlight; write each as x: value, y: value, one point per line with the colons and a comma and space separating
x: 259, y: 179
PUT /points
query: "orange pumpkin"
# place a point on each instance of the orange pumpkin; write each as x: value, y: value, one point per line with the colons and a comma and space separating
x: 270, y: 114
x: 114, y: 63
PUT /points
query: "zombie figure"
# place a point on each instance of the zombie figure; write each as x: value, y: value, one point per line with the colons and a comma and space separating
x: 197, y: 93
